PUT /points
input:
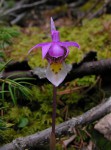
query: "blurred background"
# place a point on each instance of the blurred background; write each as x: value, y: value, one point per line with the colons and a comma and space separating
x: 27, y: 13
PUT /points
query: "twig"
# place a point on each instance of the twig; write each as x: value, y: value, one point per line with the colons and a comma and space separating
x: 68, y: 141
x: 101, y: 11
x: 23, y: 6
x: 42, y: 137
x: 18, y: 18
x: 87, y: 13
x: 77, y: 3
x: 72, y: 90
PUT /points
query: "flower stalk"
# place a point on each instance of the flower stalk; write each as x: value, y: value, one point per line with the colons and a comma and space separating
x: 54, y: 108
x: 52, y: 136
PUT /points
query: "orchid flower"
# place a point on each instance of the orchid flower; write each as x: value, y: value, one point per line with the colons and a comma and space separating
x: 55, y: 52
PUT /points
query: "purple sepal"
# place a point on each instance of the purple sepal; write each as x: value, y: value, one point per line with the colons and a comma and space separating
x: 53, y: 28
x: 38, y: 45
x: 67, y: 44
x: 45, y: 49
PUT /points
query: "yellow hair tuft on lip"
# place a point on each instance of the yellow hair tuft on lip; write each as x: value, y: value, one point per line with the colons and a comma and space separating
x: 56, y: 67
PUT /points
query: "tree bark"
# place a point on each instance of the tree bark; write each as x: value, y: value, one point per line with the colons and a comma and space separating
x: 42, y: 138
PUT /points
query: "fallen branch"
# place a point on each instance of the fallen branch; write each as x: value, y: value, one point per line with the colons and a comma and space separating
x: 78, y: 71
x: 90, y: 68
x: 42, y: 138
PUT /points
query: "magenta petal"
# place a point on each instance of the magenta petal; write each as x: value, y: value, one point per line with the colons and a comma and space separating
x: 67, y: 44
x: 45, y: 49
x: 37, y: 46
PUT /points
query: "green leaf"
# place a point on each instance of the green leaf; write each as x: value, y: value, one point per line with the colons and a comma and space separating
x: 4, y: 65
x: 25, y: 91
x: 12, y: 95
x: 22, y: 78
x: 8, y: 125
x: 3, y: 87
x: 2, y: 125
x: 23, y: 122
x: 100, y: 141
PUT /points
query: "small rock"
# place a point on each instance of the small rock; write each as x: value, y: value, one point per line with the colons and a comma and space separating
x: 104, y: 126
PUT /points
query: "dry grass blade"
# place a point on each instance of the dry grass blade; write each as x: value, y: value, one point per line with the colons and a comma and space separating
x: 68, y: 91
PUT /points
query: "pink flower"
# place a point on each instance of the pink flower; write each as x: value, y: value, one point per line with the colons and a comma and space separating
x: 55, y: 52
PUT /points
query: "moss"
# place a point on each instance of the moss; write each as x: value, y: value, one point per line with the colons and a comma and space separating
x: 7, y: 135
x: 91, y: 36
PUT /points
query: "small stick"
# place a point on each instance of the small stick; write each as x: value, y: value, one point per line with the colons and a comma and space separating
x: 68, y: 141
